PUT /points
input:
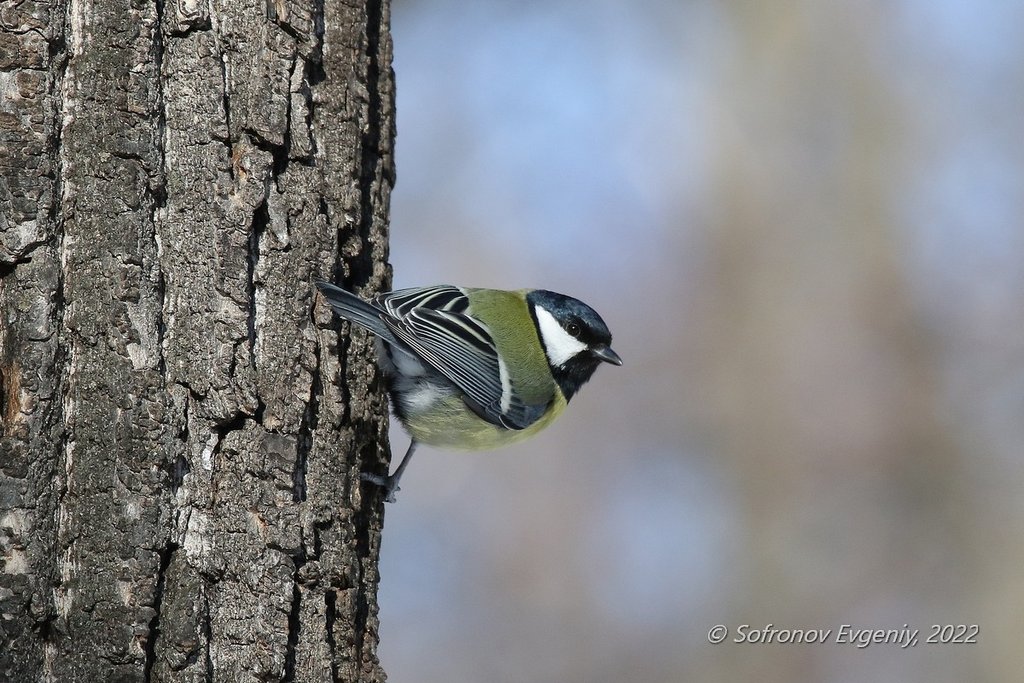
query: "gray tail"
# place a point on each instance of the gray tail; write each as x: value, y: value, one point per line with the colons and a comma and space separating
x: 352, y: 308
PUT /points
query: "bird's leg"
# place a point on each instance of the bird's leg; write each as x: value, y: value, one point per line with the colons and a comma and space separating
x: 390, y: 484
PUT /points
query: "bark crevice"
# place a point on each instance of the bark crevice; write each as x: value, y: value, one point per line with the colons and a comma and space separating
x: 294, y: 617
x: 154, y: 623
x: 330, y: 616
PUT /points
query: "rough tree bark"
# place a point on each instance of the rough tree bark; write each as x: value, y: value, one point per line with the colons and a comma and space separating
x: 181, y: 424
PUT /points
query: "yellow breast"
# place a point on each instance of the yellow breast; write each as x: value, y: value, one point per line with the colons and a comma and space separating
x: 450, y: 424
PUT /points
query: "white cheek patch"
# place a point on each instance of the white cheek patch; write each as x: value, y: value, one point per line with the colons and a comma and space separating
x: 558, y: 344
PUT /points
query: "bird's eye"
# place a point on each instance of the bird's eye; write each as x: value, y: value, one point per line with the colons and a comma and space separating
x: 573, y: 329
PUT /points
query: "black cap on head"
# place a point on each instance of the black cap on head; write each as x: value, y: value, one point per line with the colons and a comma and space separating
x: 575, y: 338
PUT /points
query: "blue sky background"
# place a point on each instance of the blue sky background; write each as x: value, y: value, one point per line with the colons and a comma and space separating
x: 802, y: 222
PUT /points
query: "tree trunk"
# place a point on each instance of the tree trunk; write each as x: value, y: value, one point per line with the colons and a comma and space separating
x: 181, y: 426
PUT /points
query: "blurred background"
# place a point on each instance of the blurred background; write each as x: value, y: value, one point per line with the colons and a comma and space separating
x: 803, y: 223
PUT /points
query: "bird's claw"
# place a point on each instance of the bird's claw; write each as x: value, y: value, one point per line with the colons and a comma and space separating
x: 389, y: 484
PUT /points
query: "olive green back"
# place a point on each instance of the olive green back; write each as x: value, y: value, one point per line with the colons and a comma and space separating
x: 508, y: 316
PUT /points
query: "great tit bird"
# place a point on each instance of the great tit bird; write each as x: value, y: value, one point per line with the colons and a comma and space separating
x: 474, y: 369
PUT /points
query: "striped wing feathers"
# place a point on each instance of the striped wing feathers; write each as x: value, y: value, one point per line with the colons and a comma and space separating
x: 434, y: 323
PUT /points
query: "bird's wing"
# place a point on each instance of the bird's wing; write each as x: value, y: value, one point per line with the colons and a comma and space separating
x: 432, y: 323
x: 401, y: 302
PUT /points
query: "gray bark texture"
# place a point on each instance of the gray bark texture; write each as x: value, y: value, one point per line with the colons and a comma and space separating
x: 182, y: 424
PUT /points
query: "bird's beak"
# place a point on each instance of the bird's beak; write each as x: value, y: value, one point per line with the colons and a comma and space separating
x: 606, y: 354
